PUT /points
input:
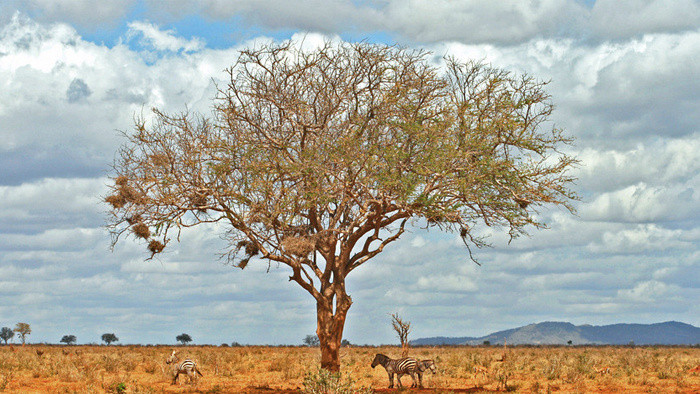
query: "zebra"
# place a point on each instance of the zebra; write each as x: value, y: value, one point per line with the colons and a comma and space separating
x: 400, y: 367
x: 187, y: 367
x: 422, y: 366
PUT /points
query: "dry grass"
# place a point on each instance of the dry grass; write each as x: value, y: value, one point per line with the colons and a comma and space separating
x: 134, y: 369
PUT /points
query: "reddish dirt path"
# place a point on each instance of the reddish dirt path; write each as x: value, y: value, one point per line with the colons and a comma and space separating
x: 382, y: 390
x: 433, y: 390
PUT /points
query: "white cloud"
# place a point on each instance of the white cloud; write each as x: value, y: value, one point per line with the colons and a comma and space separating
x: 163, y: 40
x: 476, y: 22
x: 73, y: 128
x: 627, y: 18
x: 309, y: 15
x: 418, y: 242
x: 468, y: 21
x: 86, y: 13
x: 54, y: 240
x: 447, y: 283
x: 648, y: 291
x: 660, y: 163
x: 569, y: 280
x: 52, y: 203
x: 643, y: 239
x: 643, y: 203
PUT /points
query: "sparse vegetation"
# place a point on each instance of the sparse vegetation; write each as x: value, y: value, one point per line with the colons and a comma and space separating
x: 258, y: 369
x: 322, y: 381
x: 402, y: 328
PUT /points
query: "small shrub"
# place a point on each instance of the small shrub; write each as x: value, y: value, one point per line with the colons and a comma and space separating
x: 322, y: 381
x: 5, y: 379
x: 110, y: 363
x: 663, y: 375
x: 150, y: 366
x: 120, y: 388
x: 215, y: 389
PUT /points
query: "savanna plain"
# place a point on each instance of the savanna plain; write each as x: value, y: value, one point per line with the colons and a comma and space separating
x: 259, y: 369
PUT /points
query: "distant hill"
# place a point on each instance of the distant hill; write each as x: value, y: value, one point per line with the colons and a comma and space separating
x: 560, y: 333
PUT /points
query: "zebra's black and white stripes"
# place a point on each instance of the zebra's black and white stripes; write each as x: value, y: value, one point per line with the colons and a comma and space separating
x: 424, y: 365
x: 400, y: 367
x: 186, y: 367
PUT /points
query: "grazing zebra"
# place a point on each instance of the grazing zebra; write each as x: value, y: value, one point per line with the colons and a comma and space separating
x: 400, y: 367
x: 187, y: 367
x: 422, y: 366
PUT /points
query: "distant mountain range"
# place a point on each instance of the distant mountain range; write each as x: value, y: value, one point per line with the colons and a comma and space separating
x: 560, y: 333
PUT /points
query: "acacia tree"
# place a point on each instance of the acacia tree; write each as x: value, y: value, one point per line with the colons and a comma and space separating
x: 69, y: 339
x: 23, y: 329
x: 6, y: 333
x: 108, y: 338
x: 311, y: 340
x: 316, y: 159
x: 184, y: 338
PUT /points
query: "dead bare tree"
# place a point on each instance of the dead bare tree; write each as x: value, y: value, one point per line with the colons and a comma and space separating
x: 402, y: 328
x: 316, y: 159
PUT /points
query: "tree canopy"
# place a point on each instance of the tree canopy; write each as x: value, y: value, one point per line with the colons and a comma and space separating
x: 23, y: 329
x: 108, y: 338
x: 311, y: 340
x: 69, y: 339
x: 184, y: 338
x: 317, y: 159
x: 6, y: 333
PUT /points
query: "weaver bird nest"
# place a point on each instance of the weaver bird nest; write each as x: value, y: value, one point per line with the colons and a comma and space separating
x: 141, y: 231
x: 300, y: 246
x: 155, y: 246
x: 125, y: 194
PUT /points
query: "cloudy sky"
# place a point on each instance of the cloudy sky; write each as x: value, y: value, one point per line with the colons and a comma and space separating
x: 624, y: 77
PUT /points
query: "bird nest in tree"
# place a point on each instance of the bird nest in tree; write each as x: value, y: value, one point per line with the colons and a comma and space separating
x: 251, y: 249
x: 141, y: 231
x: 130, y: 194
x: 155, y: 246
x: 299, y: 246
x: 133, y: 219
x: 159, y: 159
x: 125, y: 194
x: 116, y: 201
x: 523, y: 203
x: 121, y: 180
x: 200, y: 200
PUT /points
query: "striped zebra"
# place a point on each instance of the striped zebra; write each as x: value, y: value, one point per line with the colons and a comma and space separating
x: 400, y: 367
x: 424, y: 365
x: 186, y: 367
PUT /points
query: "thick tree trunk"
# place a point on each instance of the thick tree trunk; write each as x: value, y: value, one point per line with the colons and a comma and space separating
x: 330, y: 332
